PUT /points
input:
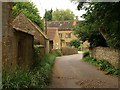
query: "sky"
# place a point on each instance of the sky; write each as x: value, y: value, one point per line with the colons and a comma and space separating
x: 57, y: 4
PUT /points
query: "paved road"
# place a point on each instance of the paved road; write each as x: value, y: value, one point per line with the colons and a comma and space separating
x: 72, y: 72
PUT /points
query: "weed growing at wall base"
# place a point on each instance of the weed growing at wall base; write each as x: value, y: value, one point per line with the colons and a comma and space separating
x: 39, y: 77
x: 102, y: 65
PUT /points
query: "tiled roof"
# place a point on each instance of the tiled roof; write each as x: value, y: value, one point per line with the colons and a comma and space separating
x: 51, y: 32
x: 62, y: 25
x: 22, y: 23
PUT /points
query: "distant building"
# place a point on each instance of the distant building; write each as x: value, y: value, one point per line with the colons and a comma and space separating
x: 85, y: 46
x: 60, y: 33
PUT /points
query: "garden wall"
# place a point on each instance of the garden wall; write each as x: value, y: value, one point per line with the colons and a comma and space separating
x: 109, y: 54
x: 69, y: 51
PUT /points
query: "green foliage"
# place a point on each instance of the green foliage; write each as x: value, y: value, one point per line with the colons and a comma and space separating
x: 29, y: 10
x: 75, y: 43
x: 36, y: 55
x: 103, y: 65
x: 38, y: 77
x: 94, y: 37
x: 57, y: 52
x: 81, y: 32
x: 48, y: 15
x: 23, y: 79
x: 61, y: 15
x: 103, y: 18
x: 85, y: 54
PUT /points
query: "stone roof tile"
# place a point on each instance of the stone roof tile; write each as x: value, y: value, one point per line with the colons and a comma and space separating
x: 22, y: 23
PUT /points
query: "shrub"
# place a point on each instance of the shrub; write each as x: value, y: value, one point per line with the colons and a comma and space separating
x: 86, y: 53
x: 75, y: 43
x: 104, y: 65
x: 36, y: 53
x: 57, y: 52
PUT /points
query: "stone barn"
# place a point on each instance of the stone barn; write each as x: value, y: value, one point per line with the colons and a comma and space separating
x: 18, y: 37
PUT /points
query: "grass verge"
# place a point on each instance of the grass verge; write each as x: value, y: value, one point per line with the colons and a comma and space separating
x: 101, y: 64
x: 38, y: 77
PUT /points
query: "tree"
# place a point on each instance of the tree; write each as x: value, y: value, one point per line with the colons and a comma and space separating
x: 105, y: 19
x: 75, y: 43
x: 94, y: 37
x: 48, y: 15
x: 30, y: 11
x: 61, y: 15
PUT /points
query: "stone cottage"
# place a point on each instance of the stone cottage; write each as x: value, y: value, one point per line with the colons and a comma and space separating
x: 18, y: 37
x: 54, y: 40
x: 22, y: 23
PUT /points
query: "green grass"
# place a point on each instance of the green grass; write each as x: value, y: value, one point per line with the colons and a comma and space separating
x: 37, y: 77
x: 102, y: 65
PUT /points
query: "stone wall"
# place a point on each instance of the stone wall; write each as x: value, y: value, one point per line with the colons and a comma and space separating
x: 8, y: 51
x: 109, y: 54
x: 69, y: 51
x: 15, y: 44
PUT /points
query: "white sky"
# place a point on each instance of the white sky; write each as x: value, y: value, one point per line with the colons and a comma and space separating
x: 57, y: 4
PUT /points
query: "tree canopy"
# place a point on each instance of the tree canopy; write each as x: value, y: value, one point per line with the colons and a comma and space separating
x: 48, y: 15
x: 104, y: 18
x: 61, y: 15
x: 75, y: 43
x: 30, y: 11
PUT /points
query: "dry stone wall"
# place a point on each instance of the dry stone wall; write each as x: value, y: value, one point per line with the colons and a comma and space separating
x: 109, y: 54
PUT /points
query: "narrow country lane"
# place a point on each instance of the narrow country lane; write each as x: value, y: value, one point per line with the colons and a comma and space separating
x: 71, y: 72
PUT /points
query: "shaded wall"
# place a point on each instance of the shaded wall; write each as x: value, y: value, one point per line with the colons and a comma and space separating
x: 14, y: 43
x: 24, y: 49
x: 8, y: 51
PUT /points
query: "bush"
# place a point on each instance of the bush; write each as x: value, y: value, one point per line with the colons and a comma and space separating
x: 57, y: 52
x: 37, y: 58
x: 75, y: 43
x: 102, y: 65
x: 39, y: 77
x: 85, y: 54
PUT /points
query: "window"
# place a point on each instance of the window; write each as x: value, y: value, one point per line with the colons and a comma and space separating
x: 60, y: 35
x: 68, y: 35
x: 67, y: 43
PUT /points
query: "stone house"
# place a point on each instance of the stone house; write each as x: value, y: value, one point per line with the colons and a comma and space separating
x: 60, y: 33
x: 54, y: 39
x: 85, y: 46
x: 18, y: 37
x: 29, y: 27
